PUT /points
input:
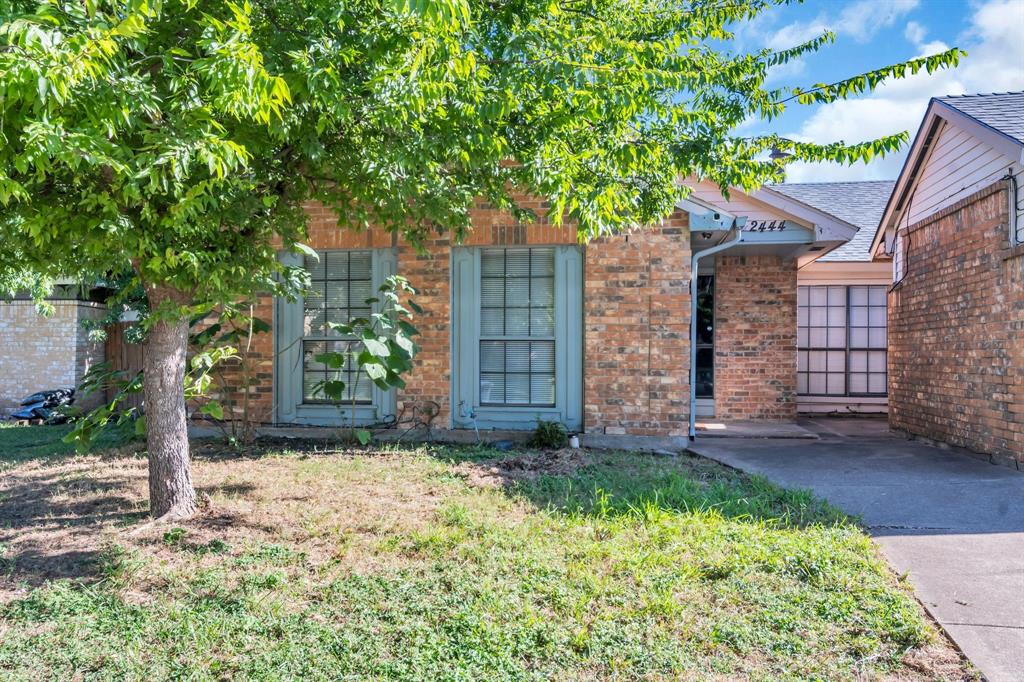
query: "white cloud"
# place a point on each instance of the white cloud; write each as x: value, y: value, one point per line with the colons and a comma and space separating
x: 862, y: 20
x: 995, y: 63
x: 859, y: 20
x: 794, y: 34
x: 915, y: 32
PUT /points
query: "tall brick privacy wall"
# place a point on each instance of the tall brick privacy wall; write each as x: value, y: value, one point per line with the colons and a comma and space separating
x: 42, y: 352
x: 956, y: 330
x: 755, y: 337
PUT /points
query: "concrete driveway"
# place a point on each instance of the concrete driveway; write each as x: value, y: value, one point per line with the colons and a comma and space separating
x: 954, y: 523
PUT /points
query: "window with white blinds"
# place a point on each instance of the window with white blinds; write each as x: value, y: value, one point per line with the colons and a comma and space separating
x: 517, y: 327
x: 341, y: 283
x: 841, y: 340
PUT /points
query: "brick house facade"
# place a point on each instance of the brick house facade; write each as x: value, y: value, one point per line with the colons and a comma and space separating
x: 954, y: 228
x: 629, y: 351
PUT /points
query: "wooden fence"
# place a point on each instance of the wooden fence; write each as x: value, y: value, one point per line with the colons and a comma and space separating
x: 126, y: 357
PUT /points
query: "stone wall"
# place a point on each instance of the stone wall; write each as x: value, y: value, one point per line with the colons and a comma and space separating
x: 755, y: 337
x: 956, y: 330
x: 44, y: 352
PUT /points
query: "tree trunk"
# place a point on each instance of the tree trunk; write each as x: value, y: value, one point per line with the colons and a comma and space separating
x: 171, y: 494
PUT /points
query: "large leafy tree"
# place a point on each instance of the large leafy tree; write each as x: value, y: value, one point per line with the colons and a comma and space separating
x: 175, y: 140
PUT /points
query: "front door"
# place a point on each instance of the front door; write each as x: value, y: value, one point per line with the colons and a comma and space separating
x: 705, y: 377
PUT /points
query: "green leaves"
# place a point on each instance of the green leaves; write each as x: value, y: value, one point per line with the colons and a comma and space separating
x: 823, y: 93
x: 181, y: 142
x: 379, y: 347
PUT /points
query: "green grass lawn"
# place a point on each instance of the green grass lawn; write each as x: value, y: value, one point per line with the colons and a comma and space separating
x: 22, y: 443
x: 427, y: 562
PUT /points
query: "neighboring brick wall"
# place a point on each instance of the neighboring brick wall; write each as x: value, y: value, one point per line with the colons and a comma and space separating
x: 636, y: 310
x: 43, y: 352
x: 755, y: 337
x: 956, y: 330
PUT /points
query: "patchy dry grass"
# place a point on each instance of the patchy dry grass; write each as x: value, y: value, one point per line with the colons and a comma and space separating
x: 443, y: 563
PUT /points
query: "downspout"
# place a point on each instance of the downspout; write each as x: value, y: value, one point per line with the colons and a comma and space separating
x: 694, y: 265
x: 1011, y: 182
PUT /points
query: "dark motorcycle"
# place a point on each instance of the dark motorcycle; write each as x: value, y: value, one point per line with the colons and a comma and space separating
x: 45, y: 406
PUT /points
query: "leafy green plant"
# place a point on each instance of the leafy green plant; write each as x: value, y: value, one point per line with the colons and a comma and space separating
x: 232, y: 376
x: 380, y: 348
x: 114, y: 412
x: 549, y: 434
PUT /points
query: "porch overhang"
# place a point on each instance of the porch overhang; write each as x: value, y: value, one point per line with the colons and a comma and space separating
x: 801, y: 241
x: 782, y: 238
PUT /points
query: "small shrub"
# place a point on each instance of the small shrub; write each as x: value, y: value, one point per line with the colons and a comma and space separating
x: 549, y: 435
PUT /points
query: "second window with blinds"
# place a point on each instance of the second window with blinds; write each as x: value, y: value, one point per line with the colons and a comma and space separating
x: 841, y: 340
x: 517, y: 327
x: 517, y: 336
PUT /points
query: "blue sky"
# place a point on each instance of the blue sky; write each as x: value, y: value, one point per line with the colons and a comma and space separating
x: 873, y: 33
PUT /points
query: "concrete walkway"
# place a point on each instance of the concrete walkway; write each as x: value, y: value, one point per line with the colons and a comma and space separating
x: 953, y: 523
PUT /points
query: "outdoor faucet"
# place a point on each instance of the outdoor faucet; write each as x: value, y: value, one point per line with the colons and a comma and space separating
x: 471, y: 416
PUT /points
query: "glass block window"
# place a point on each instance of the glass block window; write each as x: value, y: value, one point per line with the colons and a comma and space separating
x: 517, y: 327
x: 341, y: 281
x: 841, y: 340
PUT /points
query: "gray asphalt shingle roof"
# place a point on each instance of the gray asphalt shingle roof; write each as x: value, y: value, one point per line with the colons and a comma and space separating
x: 860, y: 204
x: 1001, y: 111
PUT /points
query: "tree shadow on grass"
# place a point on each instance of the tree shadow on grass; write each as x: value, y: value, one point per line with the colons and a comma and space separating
x: 59, y: 520
x: 52, y: 520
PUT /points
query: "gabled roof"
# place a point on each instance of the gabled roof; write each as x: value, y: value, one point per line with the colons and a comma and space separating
x: 858, y: 203
x: 997, y: 119
x: 1000, y: 111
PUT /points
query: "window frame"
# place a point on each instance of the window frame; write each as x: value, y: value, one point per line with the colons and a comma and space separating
x: 529, y: 338
x: 324, y: 338
x: 288, y: 331
x: 466, y: 337
x: 847, y: 349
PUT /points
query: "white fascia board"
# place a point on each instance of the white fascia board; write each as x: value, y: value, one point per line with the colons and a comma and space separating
x: 826, y: 227
x: 700, y: 207
x: 907, y: 177
x: 946, y: 114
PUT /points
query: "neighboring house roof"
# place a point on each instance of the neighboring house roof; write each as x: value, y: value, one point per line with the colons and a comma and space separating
x: 860, y: 204
x: 996, y: 119
x: 1000, y: 111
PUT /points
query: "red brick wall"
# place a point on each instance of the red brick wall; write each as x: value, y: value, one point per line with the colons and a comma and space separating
x: 956, y: 330
x: 636, y: 326
x: 429, y: 273
x: 755, y: 337
x: 636, y: 323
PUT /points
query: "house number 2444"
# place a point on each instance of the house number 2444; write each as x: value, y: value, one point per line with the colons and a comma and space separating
x: 766, y: 225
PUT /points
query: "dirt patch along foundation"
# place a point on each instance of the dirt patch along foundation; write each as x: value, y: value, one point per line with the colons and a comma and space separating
x: 528, y: 466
